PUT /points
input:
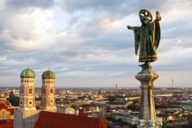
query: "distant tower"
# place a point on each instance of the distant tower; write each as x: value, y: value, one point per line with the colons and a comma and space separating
x: 25, y: 116
x: 116, y: 86
x: 116, y: 89
x: 172, y: 83
x: 48, y: 91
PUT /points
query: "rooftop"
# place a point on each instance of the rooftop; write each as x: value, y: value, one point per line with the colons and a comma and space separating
x: 59, y: 120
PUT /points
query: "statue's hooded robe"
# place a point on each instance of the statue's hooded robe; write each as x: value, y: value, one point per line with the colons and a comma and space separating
x: 147, y: 39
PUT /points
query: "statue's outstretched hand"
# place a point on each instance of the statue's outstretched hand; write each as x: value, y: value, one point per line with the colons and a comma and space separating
x: 129, y: 27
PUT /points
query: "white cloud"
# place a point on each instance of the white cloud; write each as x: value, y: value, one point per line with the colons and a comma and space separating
x: 90, y: 38
x: 29, y: 31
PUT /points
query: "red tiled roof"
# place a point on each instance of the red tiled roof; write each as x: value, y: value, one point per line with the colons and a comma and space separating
x: 5, y: 124
x: 4, y: 106
x: 59, y: 120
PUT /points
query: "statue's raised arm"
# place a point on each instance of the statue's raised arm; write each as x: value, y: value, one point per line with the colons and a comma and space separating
x: 147, y: 36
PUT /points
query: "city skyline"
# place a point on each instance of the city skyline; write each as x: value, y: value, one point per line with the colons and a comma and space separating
x: 87, y: 43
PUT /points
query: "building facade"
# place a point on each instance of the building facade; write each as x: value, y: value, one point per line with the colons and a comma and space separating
x: 26, y: 115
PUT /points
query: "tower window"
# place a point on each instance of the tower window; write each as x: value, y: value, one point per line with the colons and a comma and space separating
x: 30, y: 91
x: 30, y: 102
x: 51, y: 91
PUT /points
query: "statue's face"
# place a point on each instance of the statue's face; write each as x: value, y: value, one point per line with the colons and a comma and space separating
x: 145, y: 16
x: 144, y: 20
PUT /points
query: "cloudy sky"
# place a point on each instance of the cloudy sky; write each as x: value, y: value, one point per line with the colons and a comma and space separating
x: 86, y: 43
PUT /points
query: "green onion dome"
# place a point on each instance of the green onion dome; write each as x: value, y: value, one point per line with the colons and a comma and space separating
x: 27, y: 73
x: 48, y: 75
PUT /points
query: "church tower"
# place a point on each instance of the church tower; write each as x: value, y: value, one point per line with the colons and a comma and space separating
x: 48, y: 91
x: 26, y: 114
x: 27, y: 90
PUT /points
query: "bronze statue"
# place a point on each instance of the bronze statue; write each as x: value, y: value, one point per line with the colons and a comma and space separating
x: 147, y: 36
